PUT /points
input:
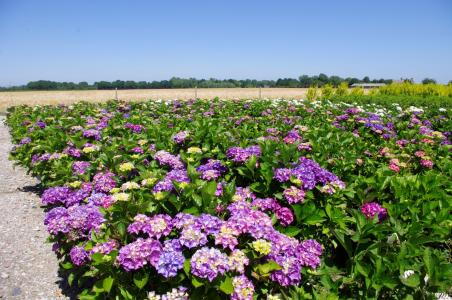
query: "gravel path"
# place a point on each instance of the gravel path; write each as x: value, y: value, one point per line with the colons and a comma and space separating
x: 28, y: 267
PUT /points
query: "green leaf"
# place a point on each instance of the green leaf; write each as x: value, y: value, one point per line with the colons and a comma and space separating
x: 70, y: 279
x: 187, y: 267
x: 411, y: 281
x: 268, y: 267
x: 226, y: 286
x: 291, y: 231
x: 107, y: 283
x: 196, y: 283
x: 140, y: 279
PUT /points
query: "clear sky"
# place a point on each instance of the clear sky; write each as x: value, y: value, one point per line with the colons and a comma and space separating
x: 149, y: 40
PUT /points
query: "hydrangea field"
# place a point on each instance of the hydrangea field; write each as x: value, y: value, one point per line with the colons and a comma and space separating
x: 237, y: 199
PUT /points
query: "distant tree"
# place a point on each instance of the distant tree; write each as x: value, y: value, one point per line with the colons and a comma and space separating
x: 366, y: 79
x: 428, y: 80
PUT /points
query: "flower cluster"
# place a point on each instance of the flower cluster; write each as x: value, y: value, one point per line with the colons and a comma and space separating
x: 241, y: 155
x: 371, y: 209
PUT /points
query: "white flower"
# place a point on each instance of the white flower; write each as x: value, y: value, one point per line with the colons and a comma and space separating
x: 442, y: 296
x: 407, y: 274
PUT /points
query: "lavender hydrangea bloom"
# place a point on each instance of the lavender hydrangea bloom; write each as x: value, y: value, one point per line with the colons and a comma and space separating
x: 158, y: 225
x: 172, y: 245
x: 105, y: 248
x: 241, y: 155
x: 101, y: 199
x: 208, y: 263
x: 92, y: 133
x: 179, y: 175
x: 192, y: 237
x: 80, y: 167
x: 371, y: 209
x: 243, y: 288
x: 71, y: 151
x: 309, y: 252
x: 79, y: 220
x: 166, y: 159
x: 134, y: 128
x: 169, y: 263
x: 79, y: 256
x: 25, y: 140
x: 180, y: 137
x: 294, y: 195
x: 57, y: 220
x: 139, y: 253
x: 163, y: 186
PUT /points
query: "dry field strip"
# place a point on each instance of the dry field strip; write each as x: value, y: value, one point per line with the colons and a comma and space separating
x: 67, y: 97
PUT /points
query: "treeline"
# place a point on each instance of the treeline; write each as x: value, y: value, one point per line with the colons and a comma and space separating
x: 303, y: 81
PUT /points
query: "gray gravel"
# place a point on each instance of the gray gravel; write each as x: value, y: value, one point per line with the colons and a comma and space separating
x: 28, y: 267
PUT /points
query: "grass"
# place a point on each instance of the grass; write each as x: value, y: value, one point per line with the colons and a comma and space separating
x: 8, y: 99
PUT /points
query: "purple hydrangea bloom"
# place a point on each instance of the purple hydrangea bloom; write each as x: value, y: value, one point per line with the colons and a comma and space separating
x: 92, y: 133
x: 180, y: 137
x: 78, y: 255
x: 79, y: 167
x: 192, y: 237
x: 55, y: 195
x: 208, y: 263
x: 71, y: 151
x: 105, y: 248
x: 167, y: 159
x: 158, y: 225
x: 101, y: 199
x: 282, y: 174
x: 294, y: 195
x: 241, y: 155
x: 284, y: 215
x: 25, y: 140
x: 371, y: 209
x: 163, y: 186
x: 179, y: 175
x: 309, y: 253
x: 169, y: 263
x: 104, y: 182
x: 243, y: 288
x: 134, y: 128
x: 139, y: 253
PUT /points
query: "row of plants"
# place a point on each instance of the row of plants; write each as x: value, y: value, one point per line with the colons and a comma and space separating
x: 283, y: 199
x: 417, y: 94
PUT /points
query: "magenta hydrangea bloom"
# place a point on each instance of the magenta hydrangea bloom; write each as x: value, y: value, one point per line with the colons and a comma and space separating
x: 284, y: 215
x: 371, y: 209
x: 208, y: 263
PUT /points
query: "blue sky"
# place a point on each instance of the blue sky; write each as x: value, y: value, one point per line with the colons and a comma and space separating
x: 154, y: 40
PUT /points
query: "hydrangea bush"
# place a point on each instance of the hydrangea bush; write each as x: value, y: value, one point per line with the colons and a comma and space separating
x: 243, y: 199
